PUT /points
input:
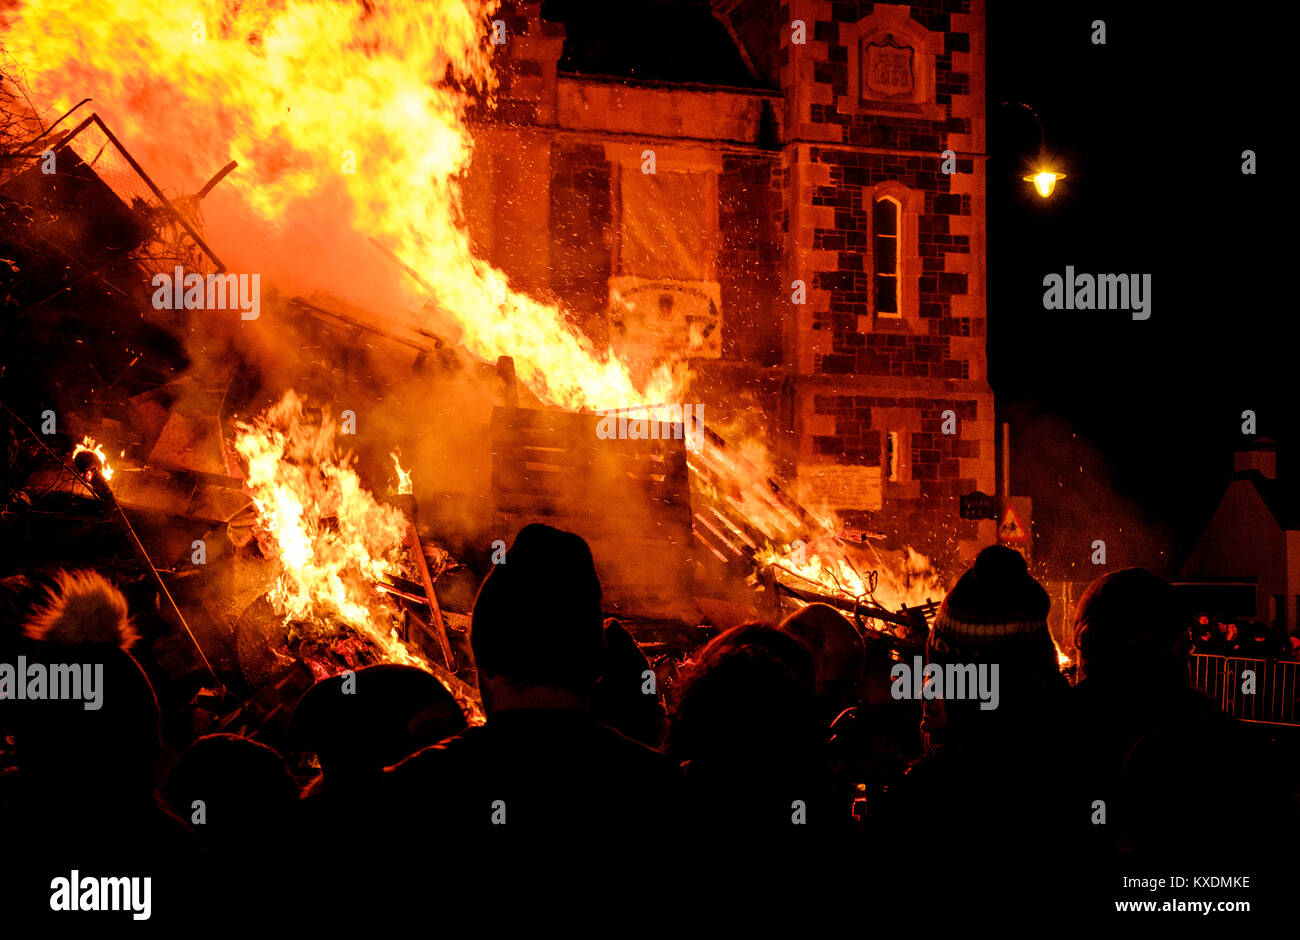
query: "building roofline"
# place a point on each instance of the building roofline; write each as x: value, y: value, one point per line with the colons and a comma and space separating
x: 1271, y: 496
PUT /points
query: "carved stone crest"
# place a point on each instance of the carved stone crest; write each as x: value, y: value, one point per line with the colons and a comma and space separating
x: 887, y: 69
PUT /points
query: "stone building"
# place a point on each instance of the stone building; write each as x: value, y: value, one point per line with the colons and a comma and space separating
x: 763, y: 186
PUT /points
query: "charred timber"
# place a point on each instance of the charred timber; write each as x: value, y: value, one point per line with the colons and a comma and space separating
x: 910, y: 617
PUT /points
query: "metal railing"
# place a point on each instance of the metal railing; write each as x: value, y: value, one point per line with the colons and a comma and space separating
x: 1275, y: 698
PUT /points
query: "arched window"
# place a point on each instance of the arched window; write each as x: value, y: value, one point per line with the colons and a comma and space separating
x: 886, y: 232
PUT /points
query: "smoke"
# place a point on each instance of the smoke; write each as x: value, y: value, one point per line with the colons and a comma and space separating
x: 1076, y: 504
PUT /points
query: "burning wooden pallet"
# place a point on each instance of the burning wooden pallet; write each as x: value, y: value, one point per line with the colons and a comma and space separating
x: 745, y: 519
x: 738, y: 510
x: 649, y: 508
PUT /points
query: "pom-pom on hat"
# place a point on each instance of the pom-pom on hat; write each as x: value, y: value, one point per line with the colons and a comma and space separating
x: 82, y: 609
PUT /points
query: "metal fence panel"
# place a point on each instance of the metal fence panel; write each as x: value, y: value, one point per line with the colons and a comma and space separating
x: 1272, y: 698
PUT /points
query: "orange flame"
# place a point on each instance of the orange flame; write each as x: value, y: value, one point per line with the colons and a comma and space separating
x: 350, y: 109
x: 404, y: 484
x: 331, y: 538
x: 89, y: 445
x: 902, y: 581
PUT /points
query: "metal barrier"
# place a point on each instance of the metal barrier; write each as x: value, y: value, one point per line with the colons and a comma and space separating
x: 1276, y: 695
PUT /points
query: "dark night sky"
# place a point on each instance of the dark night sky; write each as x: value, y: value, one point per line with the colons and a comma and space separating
x: 1150, y: 128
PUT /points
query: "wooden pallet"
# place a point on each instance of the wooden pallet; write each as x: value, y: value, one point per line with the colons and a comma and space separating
x: 738, y: 511
x: 630, y: 499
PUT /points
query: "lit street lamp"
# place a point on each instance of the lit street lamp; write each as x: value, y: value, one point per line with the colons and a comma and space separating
x: 1044, y: 181
x: 1044, y: 176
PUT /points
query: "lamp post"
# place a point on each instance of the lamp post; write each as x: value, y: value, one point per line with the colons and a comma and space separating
x: 1044, y: 176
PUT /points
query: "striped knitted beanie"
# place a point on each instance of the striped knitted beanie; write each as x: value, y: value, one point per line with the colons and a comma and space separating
x: 995, y: 611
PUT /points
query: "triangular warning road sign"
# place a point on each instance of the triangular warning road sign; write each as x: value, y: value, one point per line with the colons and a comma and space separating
x: 1010, y: 529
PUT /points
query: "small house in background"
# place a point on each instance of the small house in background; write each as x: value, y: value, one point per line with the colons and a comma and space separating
x: 1246, y: 563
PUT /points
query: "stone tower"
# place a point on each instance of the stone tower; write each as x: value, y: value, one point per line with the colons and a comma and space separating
x: 817, y: 218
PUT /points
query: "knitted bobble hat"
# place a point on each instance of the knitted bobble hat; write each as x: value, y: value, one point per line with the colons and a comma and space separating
x: 995, y: 609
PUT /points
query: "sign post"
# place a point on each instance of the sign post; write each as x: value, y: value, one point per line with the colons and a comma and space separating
x: 1015, y: 525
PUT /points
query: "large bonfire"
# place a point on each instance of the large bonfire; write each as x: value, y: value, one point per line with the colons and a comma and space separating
x: 288, y: 89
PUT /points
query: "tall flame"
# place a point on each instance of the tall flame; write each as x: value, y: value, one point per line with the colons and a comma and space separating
x: 405, y: 486
x: 333, y: 540
x: 290, y: 89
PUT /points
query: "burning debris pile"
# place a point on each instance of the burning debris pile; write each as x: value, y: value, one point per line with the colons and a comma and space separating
x: 895, y: 598
x: 331, y: 540
x: 304, y: 566
x: 742, y: 516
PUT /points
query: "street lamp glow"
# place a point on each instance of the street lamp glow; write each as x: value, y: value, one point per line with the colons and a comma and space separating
x: 1044, y: 181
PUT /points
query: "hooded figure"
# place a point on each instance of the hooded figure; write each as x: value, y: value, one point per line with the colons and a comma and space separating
x: 1154, y: 749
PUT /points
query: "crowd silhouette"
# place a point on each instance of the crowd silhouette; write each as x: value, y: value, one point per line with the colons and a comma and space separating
x: 781, y: 758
